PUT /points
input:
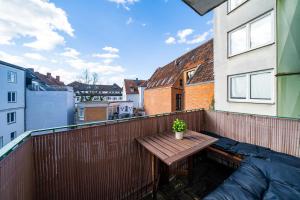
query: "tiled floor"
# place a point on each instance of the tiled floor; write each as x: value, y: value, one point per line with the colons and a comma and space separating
x: 207, y: 175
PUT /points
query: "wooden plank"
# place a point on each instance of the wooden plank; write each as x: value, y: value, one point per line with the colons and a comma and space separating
x: 188, y: 152
x: 152, y: 149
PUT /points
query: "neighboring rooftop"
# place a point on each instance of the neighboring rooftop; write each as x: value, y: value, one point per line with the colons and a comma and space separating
x: 131, y: 86
x: 77, y: 86
x: 200, y: 58
x: 46, y: 82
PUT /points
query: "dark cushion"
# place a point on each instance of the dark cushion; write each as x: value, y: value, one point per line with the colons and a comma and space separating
x: 260, y: 179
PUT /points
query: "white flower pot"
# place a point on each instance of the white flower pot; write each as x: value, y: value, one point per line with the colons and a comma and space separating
x: 179, y: 135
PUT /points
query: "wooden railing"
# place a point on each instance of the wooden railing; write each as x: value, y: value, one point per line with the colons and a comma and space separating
x: 105, y: 162
x: 278, y: 134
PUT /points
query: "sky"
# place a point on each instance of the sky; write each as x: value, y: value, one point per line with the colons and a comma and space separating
x: 116, y: 39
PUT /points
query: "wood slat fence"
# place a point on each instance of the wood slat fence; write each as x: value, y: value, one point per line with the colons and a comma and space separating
x: 106, y: 162
x: 278, y: 134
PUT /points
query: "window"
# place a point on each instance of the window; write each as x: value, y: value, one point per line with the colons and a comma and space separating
x: 178, y: 102
x: 255, y: 34
x: 12, y: 97
x: 126, y: 108
x: 13, y: 135
x: 12, y: 77
x: 238, y: 85
x: 11, y: 117
x: 189, y: 75
x: 180, y: 82
x: 238, y: 41
x: 256, y: 87
x: 261, y: 86
x: 1, y: 142
x: 81, y: 113
x: 233, y: 4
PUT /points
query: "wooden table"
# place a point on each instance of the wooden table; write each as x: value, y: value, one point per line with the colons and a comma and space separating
x: 169, y: 150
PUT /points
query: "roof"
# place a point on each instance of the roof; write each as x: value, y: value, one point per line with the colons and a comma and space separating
x: 11, y: 65
x: 131, y: 86
x: 77, y: 86
x: 49, y: 80
x: 203, y: 6
x: 200, y: 58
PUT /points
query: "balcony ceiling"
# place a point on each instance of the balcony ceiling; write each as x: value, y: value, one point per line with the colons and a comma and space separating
x: 203, y: 6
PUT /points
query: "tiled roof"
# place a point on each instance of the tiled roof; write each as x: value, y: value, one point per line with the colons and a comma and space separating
x: 131, y: 86
x: 201, y: 57
x: 77, y: 86
x: 48, y: 80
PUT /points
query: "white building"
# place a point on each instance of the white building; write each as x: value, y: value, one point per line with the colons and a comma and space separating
x: 12, y: 102
x: 120, y: 109
x: 133, y: 90
x: 49, y: 103
x: 245, y: 56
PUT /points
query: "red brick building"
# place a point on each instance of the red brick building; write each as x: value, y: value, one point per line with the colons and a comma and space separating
x: 185, y: 83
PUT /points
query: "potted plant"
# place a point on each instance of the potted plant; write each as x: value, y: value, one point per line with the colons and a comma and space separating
x: 179, y: 127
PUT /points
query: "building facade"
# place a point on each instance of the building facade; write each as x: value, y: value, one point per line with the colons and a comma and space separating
x: 49, y: 103
x: 185, y: 83
x: 96, y: 93
x: 133, y: 90
x: 12, y: 102
x: 257, y: 63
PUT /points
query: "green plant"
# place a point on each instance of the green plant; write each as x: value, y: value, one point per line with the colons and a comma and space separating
x: 179, y: 126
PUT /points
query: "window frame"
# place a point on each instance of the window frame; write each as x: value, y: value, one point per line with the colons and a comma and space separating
x: 229, y: 10
x: 12, y: 92
x: 248, y: 34
x: 248, y: 92
x: 1, y: 142
x: 81, y: 114
x: 15, y: 135
x: 9, y: 76
x: 9, y: 117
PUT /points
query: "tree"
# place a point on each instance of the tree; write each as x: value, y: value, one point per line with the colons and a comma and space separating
x: 88, y: 88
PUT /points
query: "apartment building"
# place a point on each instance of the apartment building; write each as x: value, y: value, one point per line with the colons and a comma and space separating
x: 49, y: 102
x: 86, y: 92
x: 133, y: 90
x: 256, y: 55
x: 185, y: 83
x: 12, y: 102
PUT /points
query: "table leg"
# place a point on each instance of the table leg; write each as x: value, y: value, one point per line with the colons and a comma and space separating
x: 154, y: 177
x: 164, y: 173
x: 190, y: 170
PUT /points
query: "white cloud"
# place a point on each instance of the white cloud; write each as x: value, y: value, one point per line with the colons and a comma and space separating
x: 39, y: 20
x: 71, y: 53
x: 129, y: 21
x: 105, y: 55
x: 144, y: 25
x: 187, y: 36
x: 111, y: 49
x: 13, y: 59
x: 34, y: 56
x: 110, y: 53
x: 183, y: 34
x: 170, y: 40
x: 124, y: 3
x: 198, y: 38
x: 209, y: 22
x: 96, y: 67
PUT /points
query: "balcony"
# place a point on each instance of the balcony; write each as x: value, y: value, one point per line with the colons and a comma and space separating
x: 103, y: 160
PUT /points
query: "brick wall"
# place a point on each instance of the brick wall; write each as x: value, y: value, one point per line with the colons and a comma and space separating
x: 95, y: 114
x: 199, y: 96
x: 158, y: 100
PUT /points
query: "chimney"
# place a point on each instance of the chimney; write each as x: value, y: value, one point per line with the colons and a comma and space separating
x: 58, y: 78
x: 48, y: 75
x: 137, y: 79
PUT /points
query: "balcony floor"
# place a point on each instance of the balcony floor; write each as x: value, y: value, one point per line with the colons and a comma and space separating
x: 207, y: 175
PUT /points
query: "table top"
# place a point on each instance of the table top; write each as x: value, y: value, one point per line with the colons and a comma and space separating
x: 170, y: 150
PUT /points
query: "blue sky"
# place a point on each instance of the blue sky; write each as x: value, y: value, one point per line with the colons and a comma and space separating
x: 116, y: 39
